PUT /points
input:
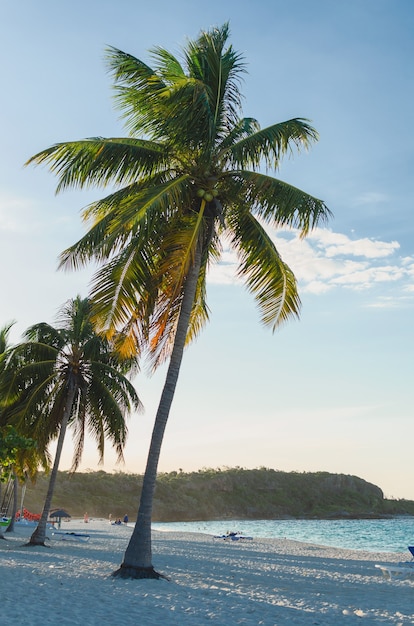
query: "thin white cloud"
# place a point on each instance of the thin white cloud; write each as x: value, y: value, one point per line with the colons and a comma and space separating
x: 12, y: 208
x: 23, y: 217
x: 337, y: 244
x: 326, y: 260
x: 370, y: 197
x: 364, y: 278
x: 384, y: 303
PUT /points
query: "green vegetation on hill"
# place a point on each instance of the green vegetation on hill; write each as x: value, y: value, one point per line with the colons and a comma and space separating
x: 220, y: 494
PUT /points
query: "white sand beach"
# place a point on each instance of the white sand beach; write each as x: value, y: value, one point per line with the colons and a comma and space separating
x: 260, y: 582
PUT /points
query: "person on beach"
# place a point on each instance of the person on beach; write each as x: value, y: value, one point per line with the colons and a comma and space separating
x: 125, y: 518
x: 86, y: 518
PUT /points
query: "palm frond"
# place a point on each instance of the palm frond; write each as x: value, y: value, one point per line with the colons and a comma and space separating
x: 241, y: 129
x: 177, y: 255
x: 78, y: 425
x: 218, y: 69
x: 4, y: 337
x: 279, y: 203
x: 132, y: 212
x: 121, y: 288
x: 142, y: 92
x: 136, y: 85
x: 167, y: 67
x: 269, y: 145
x: 128, y: 69
x: 100, y: 161
x: 267, y: 276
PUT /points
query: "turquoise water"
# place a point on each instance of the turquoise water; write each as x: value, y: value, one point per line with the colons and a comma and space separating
x: 384, y: 535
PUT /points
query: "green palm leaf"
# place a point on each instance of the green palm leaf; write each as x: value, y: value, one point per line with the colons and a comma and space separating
x: 267, y: 276
x: 100, y: 161
x: 270, y: 144
x: 281, y: 204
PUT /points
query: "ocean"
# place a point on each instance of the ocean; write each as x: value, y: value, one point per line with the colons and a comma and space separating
x: 378, y: 535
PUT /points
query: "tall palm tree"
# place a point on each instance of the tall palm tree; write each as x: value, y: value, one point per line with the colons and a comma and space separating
x: 72, y: 376
x: 187, y: 179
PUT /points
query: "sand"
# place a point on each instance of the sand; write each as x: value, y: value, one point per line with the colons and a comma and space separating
x: 261, y: 582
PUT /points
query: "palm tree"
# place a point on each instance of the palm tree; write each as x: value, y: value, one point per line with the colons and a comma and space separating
x: 74, y: 377
x: 4, y: 350
x: 187, y: 179
x: 24, y: 457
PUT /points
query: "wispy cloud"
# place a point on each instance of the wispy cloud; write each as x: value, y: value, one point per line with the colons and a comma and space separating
x: 370, y: 197
x: 327, y: 260
x: 12, y: 208
x: 337, y: 244
x: 22, y: 216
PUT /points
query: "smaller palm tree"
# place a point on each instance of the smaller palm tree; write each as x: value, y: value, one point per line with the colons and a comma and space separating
x: 72, y: 376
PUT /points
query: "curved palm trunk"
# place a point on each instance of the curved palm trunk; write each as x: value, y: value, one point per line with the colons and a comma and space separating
x: 137, y: 561
x: 39, y: 535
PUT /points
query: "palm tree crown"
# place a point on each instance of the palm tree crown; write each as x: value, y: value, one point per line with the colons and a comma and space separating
x: 193, y: 182
x: 72, y: 356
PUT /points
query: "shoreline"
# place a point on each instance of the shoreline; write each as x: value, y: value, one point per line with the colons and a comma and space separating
x: 265, y: 581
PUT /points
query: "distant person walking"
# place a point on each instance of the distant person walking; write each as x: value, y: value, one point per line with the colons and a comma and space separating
x: 86, y: 518
x: 125, y: 519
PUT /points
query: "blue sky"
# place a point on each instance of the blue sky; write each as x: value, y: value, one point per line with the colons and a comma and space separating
x: 331, y: 392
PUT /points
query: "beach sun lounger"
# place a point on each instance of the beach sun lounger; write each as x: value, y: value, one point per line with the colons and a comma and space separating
x: 71, y: 536
x: 233, y: 537
x: 403, y: 570
x: 400, y: 570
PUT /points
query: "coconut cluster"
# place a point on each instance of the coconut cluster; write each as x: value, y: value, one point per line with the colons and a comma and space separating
x: 207, y: 194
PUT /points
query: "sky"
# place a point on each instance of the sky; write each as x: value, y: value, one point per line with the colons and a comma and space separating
x: 330, y: 392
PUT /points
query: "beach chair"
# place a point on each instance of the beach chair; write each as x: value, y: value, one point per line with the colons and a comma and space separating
x: 69, y: 536
x: 233, y: 537
x: 402, y: 570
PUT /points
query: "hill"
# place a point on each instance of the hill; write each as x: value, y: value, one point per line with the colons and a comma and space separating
x: 220, y: 494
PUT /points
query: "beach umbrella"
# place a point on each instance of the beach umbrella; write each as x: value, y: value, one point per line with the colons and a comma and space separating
x: 59, y: 514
